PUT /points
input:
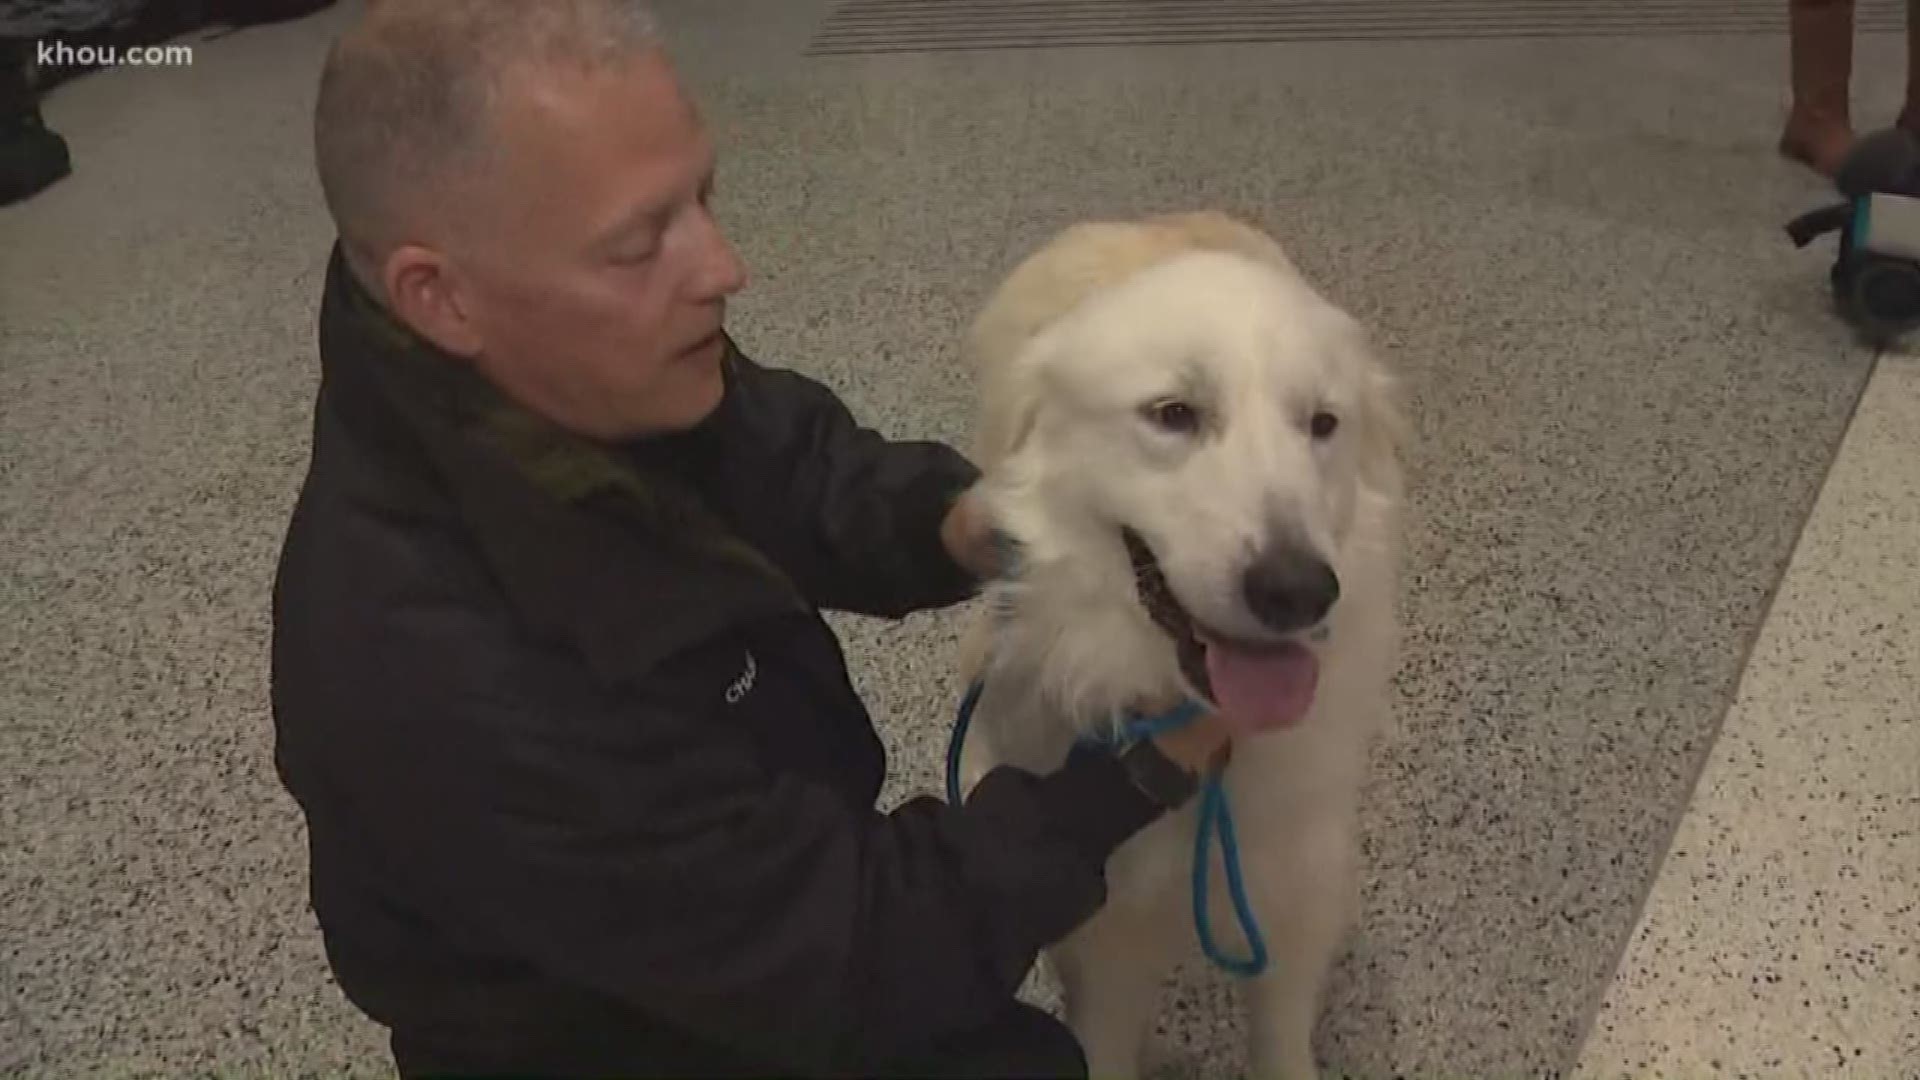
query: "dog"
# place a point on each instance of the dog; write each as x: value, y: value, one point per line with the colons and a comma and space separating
x: 1169, y: 400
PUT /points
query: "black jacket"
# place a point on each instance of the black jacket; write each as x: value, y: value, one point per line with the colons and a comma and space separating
x: 580, y: 802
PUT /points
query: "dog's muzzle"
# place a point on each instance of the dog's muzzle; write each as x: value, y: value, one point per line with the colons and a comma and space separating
x: 1167, y: 613
x: 1289, y: 589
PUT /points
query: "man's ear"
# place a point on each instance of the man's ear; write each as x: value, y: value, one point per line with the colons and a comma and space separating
x: 426, y: 296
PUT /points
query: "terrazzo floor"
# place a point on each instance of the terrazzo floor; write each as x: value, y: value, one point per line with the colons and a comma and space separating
x: 1627, y: 394
x: 1779, y: 937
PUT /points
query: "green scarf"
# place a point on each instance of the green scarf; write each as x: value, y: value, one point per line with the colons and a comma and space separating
x: 435, y: 389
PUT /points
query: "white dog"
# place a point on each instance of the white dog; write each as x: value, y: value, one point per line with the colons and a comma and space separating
x: 1174, y: 389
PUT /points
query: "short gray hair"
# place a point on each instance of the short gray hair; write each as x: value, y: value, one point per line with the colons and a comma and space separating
x: 406, y: 97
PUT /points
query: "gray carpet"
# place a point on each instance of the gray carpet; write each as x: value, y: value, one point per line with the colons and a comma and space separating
x: 1626, y: 391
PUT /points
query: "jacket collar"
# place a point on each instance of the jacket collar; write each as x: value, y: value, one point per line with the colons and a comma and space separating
x: 624, y: 561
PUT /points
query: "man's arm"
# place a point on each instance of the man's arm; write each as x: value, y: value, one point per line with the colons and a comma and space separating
x: 638, y: 849
x: 872, y: 508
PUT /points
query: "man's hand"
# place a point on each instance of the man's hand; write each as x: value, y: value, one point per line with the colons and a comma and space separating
x: 968, y: 535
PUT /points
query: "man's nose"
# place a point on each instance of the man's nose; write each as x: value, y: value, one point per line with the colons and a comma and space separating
x: 722, y: 273
x: 1289, y: 588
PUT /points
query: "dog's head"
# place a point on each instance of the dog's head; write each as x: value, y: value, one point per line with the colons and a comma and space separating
x: 1207, y: 433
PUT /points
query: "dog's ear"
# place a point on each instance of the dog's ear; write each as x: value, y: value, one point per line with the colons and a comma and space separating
x: 1010, y: 403
x: 1010, y: 408
x: 1023, y: 421
x: 1385, y: 430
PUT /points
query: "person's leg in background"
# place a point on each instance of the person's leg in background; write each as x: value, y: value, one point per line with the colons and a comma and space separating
x: 1910, y: 112
x: 1820, y: 129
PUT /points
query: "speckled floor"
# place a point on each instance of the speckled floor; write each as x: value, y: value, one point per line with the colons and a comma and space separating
x: 1627, y: 394
x: 1779, y: 938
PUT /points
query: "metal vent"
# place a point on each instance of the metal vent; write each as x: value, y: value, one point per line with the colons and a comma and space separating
x: 859, y: 27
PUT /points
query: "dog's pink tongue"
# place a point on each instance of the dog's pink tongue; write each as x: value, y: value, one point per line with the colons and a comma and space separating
x: 1260, y: 691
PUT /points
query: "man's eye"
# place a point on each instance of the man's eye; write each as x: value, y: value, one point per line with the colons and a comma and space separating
x: 1174, y: 415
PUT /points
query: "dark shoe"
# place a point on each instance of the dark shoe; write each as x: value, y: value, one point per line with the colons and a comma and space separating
x: 31, y: 158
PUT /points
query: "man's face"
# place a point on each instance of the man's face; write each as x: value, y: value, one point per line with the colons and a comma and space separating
x: 594, y: 279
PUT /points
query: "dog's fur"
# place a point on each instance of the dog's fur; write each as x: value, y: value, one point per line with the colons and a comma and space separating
x: 1098, y: 324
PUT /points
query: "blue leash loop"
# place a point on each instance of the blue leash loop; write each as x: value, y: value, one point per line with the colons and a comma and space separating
x: 1216, y: 821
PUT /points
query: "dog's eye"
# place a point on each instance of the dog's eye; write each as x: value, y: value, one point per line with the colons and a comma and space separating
x: 1323, y: 425
x: 1174, y: 416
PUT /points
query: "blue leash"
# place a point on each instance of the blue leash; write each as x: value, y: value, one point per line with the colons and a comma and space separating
x: 1216, y: 819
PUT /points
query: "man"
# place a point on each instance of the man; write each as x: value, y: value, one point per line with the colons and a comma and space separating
x: 587, y: 788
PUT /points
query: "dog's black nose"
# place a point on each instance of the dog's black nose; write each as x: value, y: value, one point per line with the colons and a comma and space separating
x: 1290, y: 589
